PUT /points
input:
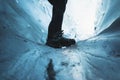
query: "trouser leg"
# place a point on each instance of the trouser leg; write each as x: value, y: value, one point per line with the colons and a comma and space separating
x: 57, y: 18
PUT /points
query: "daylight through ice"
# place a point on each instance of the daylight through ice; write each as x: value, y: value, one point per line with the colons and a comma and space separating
x: 79, y: 19
x: 95, y: 24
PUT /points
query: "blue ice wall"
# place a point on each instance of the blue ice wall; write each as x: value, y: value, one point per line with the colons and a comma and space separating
x: 22, y: 17
x: 110, y: 12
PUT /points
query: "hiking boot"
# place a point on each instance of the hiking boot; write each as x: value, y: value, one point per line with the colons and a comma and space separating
x: 58, y: 41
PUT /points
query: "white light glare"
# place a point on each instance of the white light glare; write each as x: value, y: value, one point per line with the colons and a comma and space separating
x: 83, y: 13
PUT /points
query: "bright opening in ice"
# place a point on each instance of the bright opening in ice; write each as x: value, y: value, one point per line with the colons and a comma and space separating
x: 80, y: 18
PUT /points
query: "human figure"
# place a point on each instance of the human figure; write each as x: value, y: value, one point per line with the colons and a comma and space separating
x: 55, y: 34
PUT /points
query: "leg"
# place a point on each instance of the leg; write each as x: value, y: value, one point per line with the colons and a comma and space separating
x: 55, y: 38
x: 57, y: 18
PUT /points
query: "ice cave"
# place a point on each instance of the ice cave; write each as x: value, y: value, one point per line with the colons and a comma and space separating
x: 95, y: 25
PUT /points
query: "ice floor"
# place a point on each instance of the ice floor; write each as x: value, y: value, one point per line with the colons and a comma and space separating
x: 97, y: 58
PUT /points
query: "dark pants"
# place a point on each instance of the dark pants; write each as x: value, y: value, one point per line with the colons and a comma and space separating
x: 57, y: 17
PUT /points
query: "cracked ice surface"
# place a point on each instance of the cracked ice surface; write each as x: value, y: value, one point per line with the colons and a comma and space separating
x: 24, y: 57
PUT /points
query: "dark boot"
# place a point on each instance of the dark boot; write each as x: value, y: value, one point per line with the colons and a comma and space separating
x: 58, y: 41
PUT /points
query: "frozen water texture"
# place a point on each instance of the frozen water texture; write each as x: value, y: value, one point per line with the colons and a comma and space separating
x: 93, y: 23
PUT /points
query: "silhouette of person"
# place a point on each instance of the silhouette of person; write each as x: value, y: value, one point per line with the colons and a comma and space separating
x: 55, y: 34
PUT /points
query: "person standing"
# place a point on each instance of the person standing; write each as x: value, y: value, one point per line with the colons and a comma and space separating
x: 55, y: 37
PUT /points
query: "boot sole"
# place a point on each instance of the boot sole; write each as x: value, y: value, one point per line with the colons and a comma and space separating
x: 60, y: 46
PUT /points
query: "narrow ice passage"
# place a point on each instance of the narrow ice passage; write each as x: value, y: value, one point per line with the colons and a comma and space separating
x: 23, y: 30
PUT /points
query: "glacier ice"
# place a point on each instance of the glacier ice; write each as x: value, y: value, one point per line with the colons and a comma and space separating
x: 93, y: 23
